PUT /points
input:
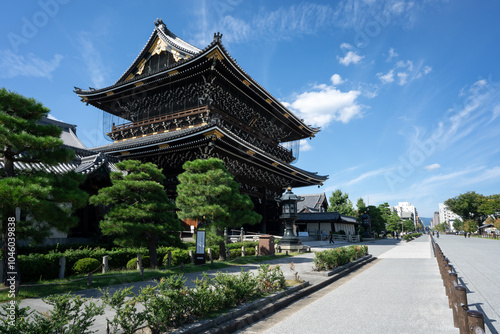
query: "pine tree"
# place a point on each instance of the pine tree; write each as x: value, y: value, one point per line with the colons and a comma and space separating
x: 46, y: 200
x: 207, y: 191
x: 340, y: 203
x: 140, y: 211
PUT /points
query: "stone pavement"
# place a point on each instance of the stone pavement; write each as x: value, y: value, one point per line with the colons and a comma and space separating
x: 402, y: 293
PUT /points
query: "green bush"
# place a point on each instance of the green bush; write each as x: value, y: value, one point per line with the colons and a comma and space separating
x: 238, y: 245
x: 166, y: 305
x: 85, y: 266
x: 332, y: 258
x: 178, y: 256
x: 36, y: 267
x: 132, y: 263
x: 234, y: 253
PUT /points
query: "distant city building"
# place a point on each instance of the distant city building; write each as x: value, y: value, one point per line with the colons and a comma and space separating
x: 407, y: 211
x: 435, y: 220
x: 446, y: 216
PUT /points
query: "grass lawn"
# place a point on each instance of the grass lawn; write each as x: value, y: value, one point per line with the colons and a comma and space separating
x: 46, y: 288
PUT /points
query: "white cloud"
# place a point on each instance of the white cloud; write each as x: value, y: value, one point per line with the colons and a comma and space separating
x: 305, y: 146
x: 386, y: 78
x: 12, y: 65
x: 432, y: 167
x: 336, y: 79
x: 350, y: 58
x: 405, y: 64
x: 52, y: 117
x: 325, y: 104
x: 392, y: 54
x: 406, y: 70
x: 403, y: 78
x: 346, y: 46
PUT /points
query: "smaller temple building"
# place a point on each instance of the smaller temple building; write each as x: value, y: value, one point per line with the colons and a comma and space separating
x: 314, y: 220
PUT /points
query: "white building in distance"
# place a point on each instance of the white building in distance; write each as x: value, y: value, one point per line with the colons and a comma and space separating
x: 406, y: 211
x: 446, y: 216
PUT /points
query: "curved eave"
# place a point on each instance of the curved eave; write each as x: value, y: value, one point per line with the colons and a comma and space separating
x: 195, y: 135
x: 262, y: 91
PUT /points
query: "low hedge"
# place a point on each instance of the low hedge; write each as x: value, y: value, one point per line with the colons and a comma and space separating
x: 411, y: 236
x: 332, y: 258
x: 35, y: 267
x: 179, y: 256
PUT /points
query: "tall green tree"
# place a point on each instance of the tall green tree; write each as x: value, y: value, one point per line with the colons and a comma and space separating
x: 377, y: 219
x: 467, y: 206
x: 470, y: 226
x: 393, y: 223
x: 45, y: 200
x: 340, y: 203
x: 458, y: 225
x: 491, y: 206
x: 207, y: 191
x: 443, y: 227
x: 360, y: 206
x: 140, y: 213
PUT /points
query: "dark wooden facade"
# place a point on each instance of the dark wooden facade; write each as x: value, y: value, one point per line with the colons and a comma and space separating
x: 184, y: 103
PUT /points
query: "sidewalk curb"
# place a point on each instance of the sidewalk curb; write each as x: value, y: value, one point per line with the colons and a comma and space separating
x: 252, y: 312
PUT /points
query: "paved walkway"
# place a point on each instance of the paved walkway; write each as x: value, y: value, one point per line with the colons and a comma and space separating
x: 402, y: 293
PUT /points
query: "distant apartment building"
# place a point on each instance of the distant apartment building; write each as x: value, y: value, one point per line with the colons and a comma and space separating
x: 445, y: 215
x: 406, y: 211
x: 435, y: 220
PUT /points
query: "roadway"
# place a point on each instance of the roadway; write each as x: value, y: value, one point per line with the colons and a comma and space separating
x: 477, y: 263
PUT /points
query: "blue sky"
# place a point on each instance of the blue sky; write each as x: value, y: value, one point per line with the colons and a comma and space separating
x: 406, y: 92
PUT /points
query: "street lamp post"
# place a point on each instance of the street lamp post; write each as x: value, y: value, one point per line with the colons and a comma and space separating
x: 289, y: 215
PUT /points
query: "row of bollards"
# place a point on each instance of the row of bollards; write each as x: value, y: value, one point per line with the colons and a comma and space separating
x: 467, y: 321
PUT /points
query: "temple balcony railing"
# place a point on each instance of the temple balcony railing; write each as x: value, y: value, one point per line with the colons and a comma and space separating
x: 196, y: 117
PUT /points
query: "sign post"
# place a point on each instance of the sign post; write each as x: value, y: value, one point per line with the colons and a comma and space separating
x: 199, y: 257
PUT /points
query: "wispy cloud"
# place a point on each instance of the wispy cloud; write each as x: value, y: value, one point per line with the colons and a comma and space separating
x: 326, y: 103
x: 392, y: 54
x: 282, y: 23
x: 91, y: 56
x: 405, y: 72
x: 478, y: 103
x: 432, y: 167
x: 13, y: 65
x: 373, y: 173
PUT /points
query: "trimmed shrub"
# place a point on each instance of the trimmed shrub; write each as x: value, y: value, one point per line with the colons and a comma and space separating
x: 36, y: 267
x: 85, y: 266
x: 178, y: 256
x: 132, y: 263
x: 335, y: 257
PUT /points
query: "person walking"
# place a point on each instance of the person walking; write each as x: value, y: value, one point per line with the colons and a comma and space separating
x: 331, y: 238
